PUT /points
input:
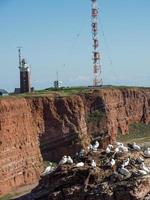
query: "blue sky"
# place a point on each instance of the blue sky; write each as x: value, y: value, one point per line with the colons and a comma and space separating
x: 56, y: 35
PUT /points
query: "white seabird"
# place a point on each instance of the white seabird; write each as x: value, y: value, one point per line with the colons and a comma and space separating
x: 136, y: 147
x: 126, y: 162
x: 95, y: 146
x: 112, y: 162
x: 108, y: 150
x: 122, y: 148
x: 118, y: 144
x: 63, y: 160
x: 69, y: 160
x: 143, y: 167
x: 116, y: 150
x: 80, y: 164
x: 110, y: 146
x: 142, y: 172
x: 93, y: 163
x: 124, y: 171
x: 90, y: 147
x: 48, y: 170
x: 147, y: 152
x: 140, y: 160
x: 81, y: 153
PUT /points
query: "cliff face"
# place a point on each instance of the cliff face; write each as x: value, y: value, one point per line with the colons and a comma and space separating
x: 61, y: 125
x: 56, y: 125
x: 124, y: 107
x: 20, y: 158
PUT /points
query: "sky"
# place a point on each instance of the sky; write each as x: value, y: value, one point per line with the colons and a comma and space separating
x: 56, y: 36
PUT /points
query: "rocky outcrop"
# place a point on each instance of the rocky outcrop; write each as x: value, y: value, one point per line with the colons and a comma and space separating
x: 69, y: 182
x: 61, y: 125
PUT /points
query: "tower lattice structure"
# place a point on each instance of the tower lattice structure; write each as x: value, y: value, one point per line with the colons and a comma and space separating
x: 97, y: 81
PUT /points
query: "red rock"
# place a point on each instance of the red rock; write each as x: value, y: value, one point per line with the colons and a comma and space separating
x: 61, y: 125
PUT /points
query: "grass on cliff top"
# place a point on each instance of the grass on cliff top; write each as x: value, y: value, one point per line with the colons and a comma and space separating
x: 63, y: 91
x: 68, y: 91
x: 139, y: 133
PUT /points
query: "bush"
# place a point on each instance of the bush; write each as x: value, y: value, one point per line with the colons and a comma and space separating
x: 96, y: 115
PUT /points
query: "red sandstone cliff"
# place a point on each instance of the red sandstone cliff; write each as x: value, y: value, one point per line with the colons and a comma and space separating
x: 20, y: 158
x: 60, y: 125
x: 124, y: 107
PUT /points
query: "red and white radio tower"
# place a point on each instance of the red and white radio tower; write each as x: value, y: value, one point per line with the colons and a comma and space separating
x: 97, y: 81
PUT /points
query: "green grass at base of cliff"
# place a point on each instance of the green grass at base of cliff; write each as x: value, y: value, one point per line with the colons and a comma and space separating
x: 139, y: 133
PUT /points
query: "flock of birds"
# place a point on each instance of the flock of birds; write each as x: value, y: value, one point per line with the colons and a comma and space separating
x: 115, y: 149
x: 119, y: 148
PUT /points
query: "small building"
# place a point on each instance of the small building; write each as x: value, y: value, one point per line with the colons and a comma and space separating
x: 17, y: 91
x: 3, y: 92
x: 57, y: 84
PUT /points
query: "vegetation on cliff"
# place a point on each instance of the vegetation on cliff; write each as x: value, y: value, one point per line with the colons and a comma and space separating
x: 138, y: 132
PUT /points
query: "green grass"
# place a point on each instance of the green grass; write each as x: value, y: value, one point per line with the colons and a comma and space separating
x: 125, y: 87
x: 139, y: 133
x: 6, y: 197
x: 68, y: 91
x: 64, y: 91
x: 96, y: 115
x: 47, y: 163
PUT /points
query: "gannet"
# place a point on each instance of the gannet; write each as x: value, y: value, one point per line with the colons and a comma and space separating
x: 126, y: 162
x: 47, y: 170
x: 136, y: 147
x: 69, y: 160
x: 110, y: 146
x: 63, y: 160
x: 140, y: 160
x: 118, y: 143
x: 93, y: 163
x: 124, y: 171
x: 81, y: 153
x: 107, y: 150
x: 80, y: 164
x: 116, y: 150
x: 90, y: 147
x: 143, y: 167
x: 147, y: 152
x: 123, y: 149
x: 96, y: 145
x: 112, y: 162
x: 142, y: 172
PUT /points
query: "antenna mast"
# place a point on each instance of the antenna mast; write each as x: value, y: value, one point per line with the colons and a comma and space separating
x: 97, y: 81
x: 19, y: 55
